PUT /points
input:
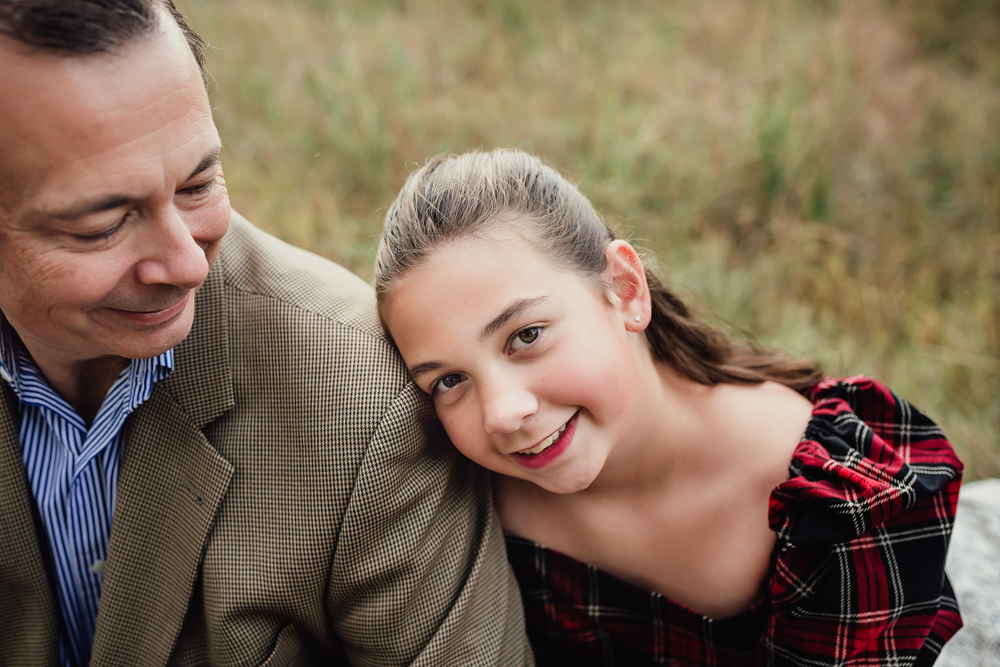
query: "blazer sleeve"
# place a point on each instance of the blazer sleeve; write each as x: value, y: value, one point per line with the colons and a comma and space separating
x: 420, y: 575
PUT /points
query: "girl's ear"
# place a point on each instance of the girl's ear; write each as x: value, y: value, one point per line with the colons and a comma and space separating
x: 629, y: 291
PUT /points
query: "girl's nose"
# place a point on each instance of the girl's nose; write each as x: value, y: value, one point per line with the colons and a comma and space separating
x: 506, y: 408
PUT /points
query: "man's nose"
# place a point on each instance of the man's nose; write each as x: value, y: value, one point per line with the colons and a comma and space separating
x: 174, y: 252
x: 506, y: 405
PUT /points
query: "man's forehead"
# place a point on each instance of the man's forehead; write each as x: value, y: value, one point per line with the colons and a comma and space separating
x: 99, y: 113
x: 37, y: 73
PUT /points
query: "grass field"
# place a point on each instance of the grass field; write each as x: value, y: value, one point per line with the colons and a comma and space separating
x: 822, y: 174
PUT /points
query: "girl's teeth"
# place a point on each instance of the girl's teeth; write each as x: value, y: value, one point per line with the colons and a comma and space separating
x: 545, y: 444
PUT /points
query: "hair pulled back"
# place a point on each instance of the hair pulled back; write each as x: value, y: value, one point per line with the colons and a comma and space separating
x: 459, y: 196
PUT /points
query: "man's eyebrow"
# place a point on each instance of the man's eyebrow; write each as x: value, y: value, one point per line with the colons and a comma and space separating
x: 111, y: 202
x: 105, y: 204
x: 211, y: 159
x: 424, y: 368
x: 511, y: 311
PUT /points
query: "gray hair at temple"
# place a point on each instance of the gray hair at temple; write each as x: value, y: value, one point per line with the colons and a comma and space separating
x: 475, y: 194
x: 84, y: 27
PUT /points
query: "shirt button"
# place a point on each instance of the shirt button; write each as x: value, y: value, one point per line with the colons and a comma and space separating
x: 97, y: 567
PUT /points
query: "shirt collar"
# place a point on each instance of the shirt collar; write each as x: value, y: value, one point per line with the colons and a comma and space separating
x: 13, y: 356
x: 6, y: 351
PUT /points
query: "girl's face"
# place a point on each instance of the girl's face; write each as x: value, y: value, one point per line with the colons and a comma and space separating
x: 532, y: 372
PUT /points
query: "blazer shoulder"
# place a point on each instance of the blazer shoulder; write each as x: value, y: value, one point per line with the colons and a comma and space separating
x: 256, y: 263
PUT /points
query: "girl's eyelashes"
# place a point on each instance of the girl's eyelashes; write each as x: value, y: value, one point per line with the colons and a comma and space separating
x: 521, y: 340
x: 524, y: 338
x: 446, y: 383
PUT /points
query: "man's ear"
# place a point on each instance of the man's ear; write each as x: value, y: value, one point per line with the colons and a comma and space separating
x: 626, y: 279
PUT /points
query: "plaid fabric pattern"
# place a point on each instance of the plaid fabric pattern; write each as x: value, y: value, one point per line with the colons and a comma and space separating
x: 862, y: 526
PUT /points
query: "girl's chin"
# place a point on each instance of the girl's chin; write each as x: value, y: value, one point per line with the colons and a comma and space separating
x: 562, y: 483
x: 566, y: 491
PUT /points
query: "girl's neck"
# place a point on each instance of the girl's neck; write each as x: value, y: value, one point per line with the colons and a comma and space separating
x: 690, y: 433
x: 678, y: 423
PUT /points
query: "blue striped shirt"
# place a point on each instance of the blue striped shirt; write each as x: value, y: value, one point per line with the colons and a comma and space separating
x: 73, y: 472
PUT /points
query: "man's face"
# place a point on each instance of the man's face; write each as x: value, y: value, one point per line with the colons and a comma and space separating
x: 112, y: 199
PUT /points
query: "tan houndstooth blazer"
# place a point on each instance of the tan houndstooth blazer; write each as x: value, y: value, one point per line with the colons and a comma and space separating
x: 278, y: 502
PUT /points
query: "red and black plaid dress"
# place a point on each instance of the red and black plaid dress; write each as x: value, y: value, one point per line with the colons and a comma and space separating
x: 857, y: 575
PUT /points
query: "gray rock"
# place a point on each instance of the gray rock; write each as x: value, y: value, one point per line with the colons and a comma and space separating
x: 974, y: 569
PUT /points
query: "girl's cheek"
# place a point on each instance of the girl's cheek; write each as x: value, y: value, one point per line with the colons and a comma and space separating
x: 463, y: 434
x: 579, y: 371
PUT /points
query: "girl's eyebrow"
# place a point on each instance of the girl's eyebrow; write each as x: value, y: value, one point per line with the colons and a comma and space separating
x: 517, y: 307
x: 511, y: 311
x: 426, y: 367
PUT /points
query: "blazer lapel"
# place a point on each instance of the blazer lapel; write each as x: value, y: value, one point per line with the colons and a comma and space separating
x: 29, y: 622
x: 170, y: 485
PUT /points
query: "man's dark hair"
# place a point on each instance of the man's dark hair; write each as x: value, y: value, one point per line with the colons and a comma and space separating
x: 81, y: 27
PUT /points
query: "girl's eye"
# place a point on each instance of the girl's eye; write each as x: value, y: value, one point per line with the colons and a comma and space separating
x: 446, y: 383
x: 524, y: 338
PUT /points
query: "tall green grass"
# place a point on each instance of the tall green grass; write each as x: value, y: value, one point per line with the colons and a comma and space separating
x: 824, y: 175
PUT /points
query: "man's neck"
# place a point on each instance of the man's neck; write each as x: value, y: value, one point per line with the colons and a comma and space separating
x: 86, y: 386
x: 83, y: 384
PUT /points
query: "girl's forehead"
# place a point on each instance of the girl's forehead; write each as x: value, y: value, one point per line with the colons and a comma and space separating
x: 485, y: 265
x: 481, y: 272
x: 484, y: 245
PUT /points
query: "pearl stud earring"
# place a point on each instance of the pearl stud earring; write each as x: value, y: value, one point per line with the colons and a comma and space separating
x: 637, y: 318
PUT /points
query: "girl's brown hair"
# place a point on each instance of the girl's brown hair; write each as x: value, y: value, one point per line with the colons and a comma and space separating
x: 459, y: 196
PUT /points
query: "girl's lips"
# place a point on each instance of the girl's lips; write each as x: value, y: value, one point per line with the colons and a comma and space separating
x: 549, y: 455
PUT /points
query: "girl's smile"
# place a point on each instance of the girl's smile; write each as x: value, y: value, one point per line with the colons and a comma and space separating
x: 533, y: 372
x: 550, y: 448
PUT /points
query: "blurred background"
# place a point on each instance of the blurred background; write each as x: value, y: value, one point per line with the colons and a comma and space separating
x: 822, y: 175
